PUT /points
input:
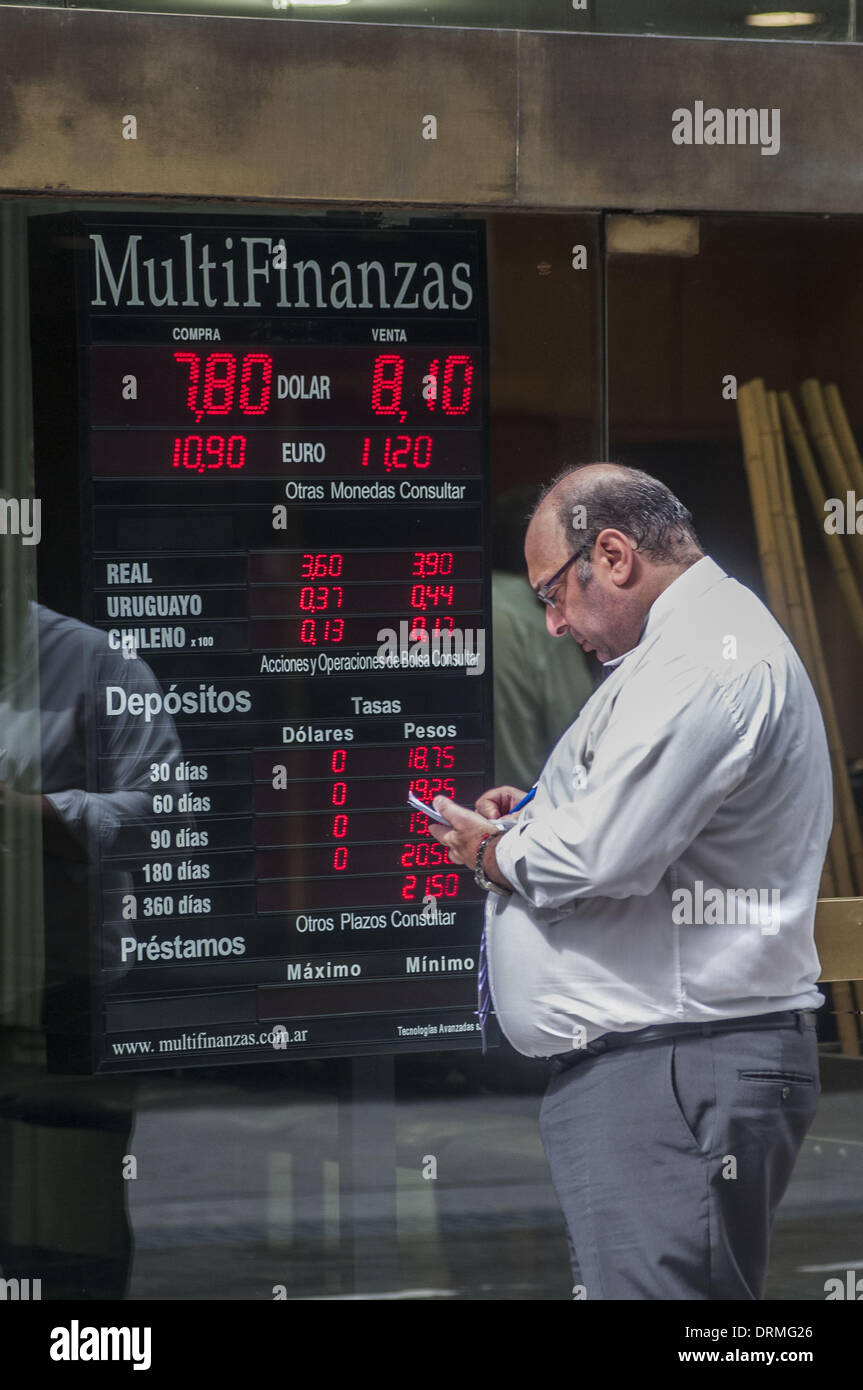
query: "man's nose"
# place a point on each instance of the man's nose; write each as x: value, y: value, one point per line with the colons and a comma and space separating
x: 555, y: 622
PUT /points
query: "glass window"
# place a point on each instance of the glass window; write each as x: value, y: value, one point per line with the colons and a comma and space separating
x: 416, y: 1171
x: 290, y: 1177
x: 769, y: 298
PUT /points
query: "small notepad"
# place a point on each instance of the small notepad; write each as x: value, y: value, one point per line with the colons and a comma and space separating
x: 417, y: 805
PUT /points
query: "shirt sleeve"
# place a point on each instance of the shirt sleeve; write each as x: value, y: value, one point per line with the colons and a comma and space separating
x: 94, y: 818
x: 567, y: 685
x: 674, y: 748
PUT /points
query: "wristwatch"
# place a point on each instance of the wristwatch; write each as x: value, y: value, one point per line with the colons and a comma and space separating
x: 479, y: 873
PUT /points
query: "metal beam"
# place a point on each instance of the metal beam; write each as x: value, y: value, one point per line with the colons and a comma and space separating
x: 244, y: 108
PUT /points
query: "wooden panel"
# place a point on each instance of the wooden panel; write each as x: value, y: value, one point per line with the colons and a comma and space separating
x: 839, y: 938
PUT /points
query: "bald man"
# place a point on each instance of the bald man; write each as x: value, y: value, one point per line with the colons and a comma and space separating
x: 649, y: 924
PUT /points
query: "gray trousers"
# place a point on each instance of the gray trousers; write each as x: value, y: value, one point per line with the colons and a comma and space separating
x: 670, y: 1158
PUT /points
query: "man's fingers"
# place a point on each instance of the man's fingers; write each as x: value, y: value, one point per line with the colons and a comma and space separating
x: 498, y: 802
x: 488, y: 804
x: 445, y: 806
x: 443, y: 835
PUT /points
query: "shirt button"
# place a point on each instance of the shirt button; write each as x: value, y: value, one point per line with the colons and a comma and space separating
x: 786, y: 1092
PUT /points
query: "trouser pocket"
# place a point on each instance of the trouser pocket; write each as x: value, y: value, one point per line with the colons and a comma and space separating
x: 691, y: 1085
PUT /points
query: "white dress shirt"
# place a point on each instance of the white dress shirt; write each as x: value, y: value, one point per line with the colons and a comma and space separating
x: 699, y: 764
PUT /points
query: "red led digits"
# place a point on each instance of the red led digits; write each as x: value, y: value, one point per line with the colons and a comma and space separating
x: 184, y: 452
x: 411, y: 451
x: 450, y: 393
x: 428, y: 854
x: 338, y: 797
x: 448, y: 404
x: 434, y: 886
x: 397, y: 458
x: 431, y: 755
x: 387, y: 378
x: 427, y: 563
x: 424, y: 854
x: 223, y: 383
x: 197, y: 454
x: 215, y: 447
x: 313, y: 597
x: 220, y: 374
x: 432, y: 595
x: 426, y: 788
x: 419, y: 625
x: 219, y: 384
x: 422, y: 451
x: 314, y: 631
x: 193, y: 362
x: 322, y: 566
x: 220, y: 371
x: 236, y: 456
x: 442, y: 885
x: 263, y: 387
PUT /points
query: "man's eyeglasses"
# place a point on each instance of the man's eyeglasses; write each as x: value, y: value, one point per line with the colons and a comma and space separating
x: 543, y: 593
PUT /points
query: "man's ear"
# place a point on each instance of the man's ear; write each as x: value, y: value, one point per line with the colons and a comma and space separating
x: 617, y: 550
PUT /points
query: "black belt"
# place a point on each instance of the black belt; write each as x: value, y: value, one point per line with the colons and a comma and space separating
x: 661, y: 1032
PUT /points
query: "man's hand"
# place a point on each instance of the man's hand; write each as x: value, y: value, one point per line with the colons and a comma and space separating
x: 462, y: 841
x: 498, y: 802
x: 28, y: 804
x: 30, y: 807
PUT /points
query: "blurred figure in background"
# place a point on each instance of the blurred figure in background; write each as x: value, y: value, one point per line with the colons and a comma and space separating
x: 540, y: 682
x: 64, y: 1134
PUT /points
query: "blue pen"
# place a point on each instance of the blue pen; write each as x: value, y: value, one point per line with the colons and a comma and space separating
x: 525, y: 799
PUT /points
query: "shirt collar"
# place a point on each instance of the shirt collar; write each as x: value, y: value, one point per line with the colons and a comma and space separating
x: 685, y: 589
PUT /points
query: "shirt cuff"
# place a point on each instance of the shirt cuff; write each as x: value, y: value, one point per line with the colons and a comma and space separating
x: 87, y: 817
x: 506, y: 857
